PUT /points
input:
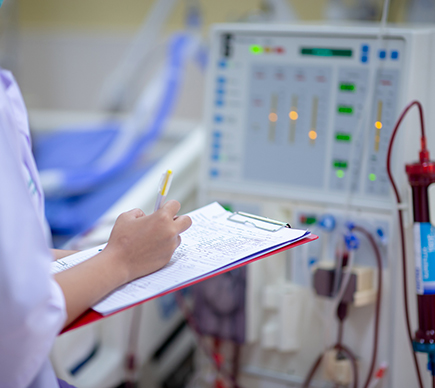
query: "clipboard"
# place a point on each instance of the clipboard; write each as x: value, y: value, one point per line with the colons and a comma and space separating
x: 91, y: 316
x: 259, y: 222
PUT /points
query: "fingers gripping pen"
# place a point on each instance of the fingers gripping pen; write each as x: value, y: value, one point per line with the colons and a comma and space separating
x: 165, y: 183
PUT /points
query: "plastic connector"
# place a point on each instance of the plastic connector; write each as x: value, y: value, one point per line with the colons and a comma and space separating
x: 351, y: 241
x: 350, y: 225
x: 359, y: 291
x: 382, y: 237
x: 327, y: 222
x: 336, y: 368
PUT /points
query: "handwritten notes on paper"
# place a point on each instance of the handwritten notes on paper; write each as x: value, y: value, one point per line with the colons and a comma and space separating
x: 212, y: 243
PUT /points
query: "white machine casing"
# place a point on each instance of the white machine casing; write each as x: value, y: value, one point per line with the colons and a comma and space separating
x: 347, y: 86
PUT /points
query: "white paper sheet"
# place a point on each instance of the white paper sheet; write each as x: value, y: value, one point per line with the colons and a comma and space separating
x: 211, y: 243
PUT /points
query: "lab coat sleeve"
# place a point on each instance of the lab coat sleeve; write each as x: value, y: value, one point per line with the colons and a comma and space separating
x: 32, y: 307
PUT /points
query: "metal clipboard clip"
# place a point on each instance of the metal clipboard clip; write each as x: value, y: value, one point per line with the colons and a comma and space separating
x: 258, y: 221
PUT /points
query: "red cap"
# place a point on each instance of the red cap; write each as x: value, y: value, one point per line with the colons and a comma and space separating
x: 421, y: 173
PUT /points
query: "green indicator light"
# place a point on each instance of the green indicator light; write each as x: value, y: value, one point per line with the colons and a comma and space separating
x: 345, y: 109
x: 256, y: 49
x: 348, y: 87
x: 372, y: 177
x: 340, y: 164
x: 343, y: 137
x: 325, y: 52
x: 339, y: 173
x: 310, y: 220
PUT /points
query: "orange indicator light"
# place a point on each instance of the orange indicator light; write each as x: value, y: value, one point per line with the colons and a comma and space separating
x: 312, y: 135
x: 273, y: 117
x: 293, y: 115
x: 378, y: 125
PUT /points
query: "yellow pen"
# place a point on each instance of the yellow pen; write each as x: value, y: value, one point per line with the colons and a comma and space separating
x: 165, y: 183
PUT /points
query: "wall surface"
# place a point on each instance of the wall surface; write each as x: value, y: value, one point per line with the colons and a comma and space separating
x: 65, y: 51
x: 129, y: 13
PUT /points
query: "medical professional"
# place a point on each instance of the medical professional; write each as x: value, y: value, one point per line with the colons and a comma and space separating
x: 35, y: 306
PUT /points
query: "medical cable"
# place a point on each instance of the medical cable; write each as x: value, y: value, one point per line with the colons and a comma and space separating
x: 320, y: 312
x: 358, y: 134
x: 312, y: 371
x: 378, y: 302
x: 381, y: 33
x: 341, y: 313
x: 343, y: 285
x: 351, y: 357
x: 132, y: 347
x: 192, y: 324
x: 338, y: 264
x: 346, y: 279
x: 401, y: 227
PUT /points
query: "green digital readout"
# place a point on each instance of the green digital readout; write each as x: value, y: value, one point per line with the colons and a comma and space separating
x: 340, y: 164
x: 345, y: 109
x: 341, y: 136
x: 347, y: 87
x: 326, y: 52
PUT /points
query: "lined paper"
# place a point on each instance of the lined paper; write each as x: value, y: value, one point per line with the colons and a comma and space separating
x: 212, y: 243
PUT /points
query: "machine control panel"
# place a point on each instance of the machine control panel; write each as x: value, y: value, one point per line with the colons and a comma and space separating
x: 294, y: 114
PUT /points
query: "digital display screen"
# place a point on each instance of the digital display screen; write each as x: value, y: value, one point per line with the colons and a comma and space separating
x: 347, y: 87
x: 346, y: 109
x: 343, y: 137
x: 340, y: 164
x: 326, y: 52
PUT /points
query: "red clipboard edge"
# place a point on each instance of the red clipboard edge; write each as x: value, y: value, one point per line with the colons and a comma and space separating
x: 92, y: 316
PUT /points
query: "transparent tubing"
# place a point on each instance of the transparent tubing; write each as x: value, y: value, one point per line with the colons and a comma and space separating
x: 348, y: 190
x: 370, y: 93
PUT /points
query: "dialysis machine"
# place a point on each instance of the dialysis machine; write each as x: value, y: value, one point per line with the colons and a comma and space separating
x: 298, y: 122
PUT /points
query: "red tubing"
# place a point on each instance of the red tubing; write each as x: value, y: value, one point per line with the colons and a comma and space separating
x: 402, y: 233
x: 378, y: 303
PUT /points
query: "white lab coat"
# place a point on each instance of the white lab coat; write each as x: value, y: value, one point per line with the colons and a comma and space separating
x: 32, y: 306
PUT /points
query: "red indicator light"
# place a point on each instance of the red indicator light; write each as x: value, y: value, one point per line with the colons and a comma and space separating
x: 279, y: 50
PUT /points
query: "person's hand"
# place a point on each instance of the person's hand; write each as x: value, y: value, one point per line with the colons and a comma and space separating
x: 143, y: 244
